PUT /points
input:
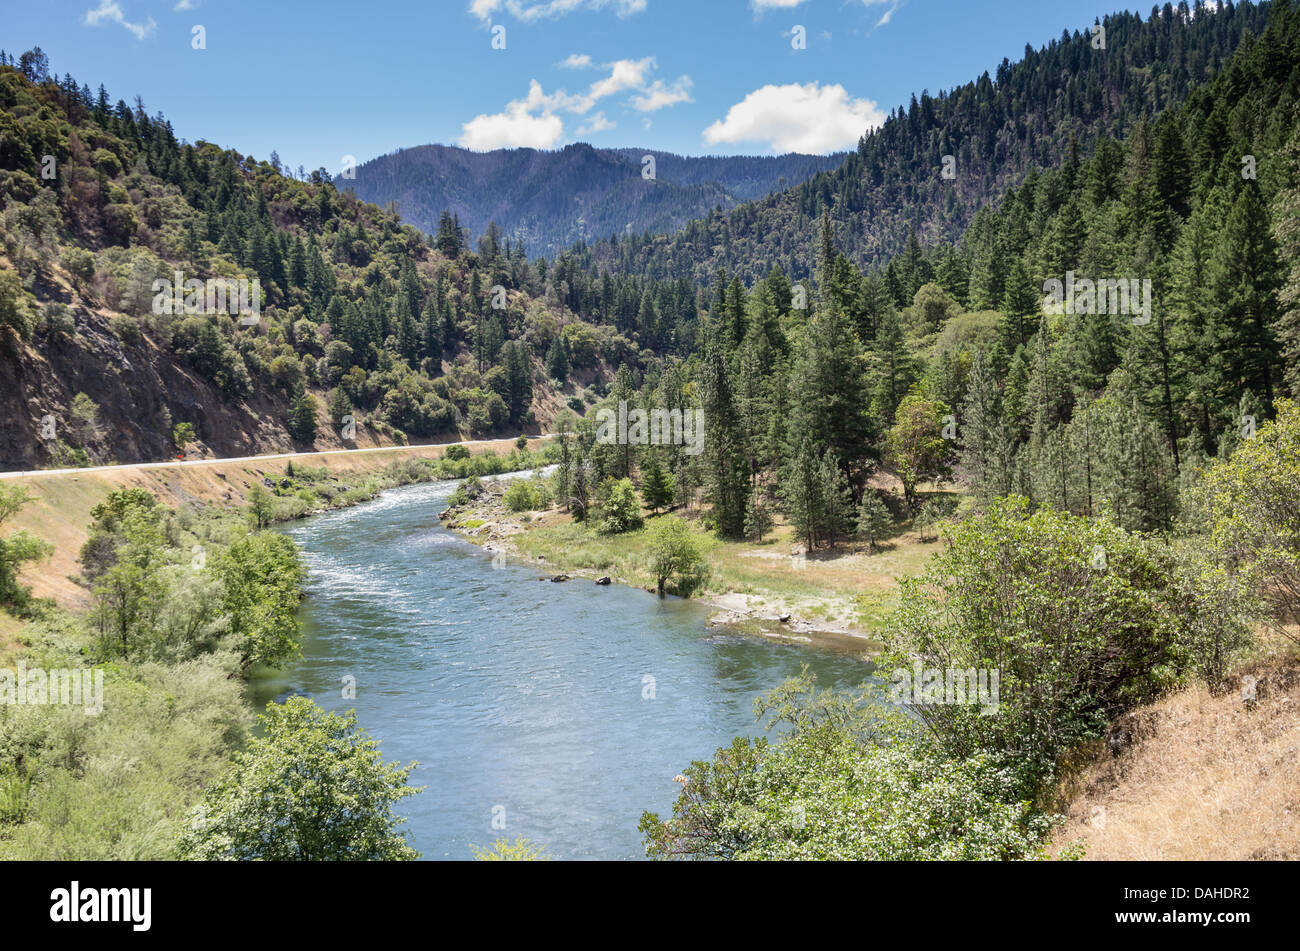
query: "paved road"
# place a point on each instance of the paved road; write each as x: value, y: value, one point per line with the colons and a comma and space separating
x: 179, y: 463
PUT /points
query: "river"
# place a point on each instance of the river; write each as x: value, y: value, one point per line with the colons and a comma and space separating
x: 561, y: 710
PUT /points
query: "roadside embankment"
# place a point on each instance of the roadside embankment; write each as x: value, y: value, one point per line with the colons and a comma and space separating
x: 62, y: 499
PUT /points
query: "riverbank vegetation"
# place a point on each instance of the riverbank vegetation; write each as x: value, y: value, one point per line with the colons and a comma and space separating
x: 1084, y: 624
x: 851, y: 589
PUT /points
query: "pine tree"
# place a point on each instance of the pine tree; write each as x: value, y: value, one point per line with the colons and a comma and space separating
x: 893, y: 368
x: 340, y: 405
x: 448, y: 239
x: 1286, y: 231
x: 979, y: 428
x: 302, y: 416
x: 758, y: 517
x: 874, y: 521
x: 557, y: 360
x: 408, y: 338
x: 727, y: 476
x: 1245, y: 278
x: 836, y: 498
x: 801, y: 493
x: 657, y: 486
x: 431, y: 334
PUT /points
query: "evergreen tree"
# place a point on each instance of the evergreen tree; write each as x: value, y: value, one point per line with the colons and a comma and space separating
x: 726, y: 469
x: 302, y: 416
x: 801, y: 493
x: 758, y: 517
x: 874, y: 521
x: 656, y: 482
x: 557, y: 360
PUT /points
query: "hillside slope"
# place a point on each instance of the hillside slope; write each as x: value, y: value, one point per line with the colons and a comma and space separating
x: 1027, y: 114
x: 102, y: 210
x: 1197, y: 777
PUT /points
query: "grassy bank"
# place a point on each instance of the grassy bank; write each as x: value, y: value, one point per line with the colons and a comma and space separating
x: 1196, y: 776
x: 847, y: 590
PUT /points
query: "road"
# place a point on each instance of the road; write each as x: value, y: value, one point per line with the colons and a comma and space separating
x: 181, y: 463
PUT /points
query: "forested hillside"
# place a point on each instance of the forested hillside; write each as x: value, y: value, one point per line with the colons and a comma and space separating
x: 550, y: 200
x: 360, y: 316
x: 1026, y: 114
x: 954, y: 353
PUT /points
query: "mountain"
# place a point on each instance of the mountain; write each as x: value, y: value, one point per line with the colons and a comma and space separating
x: 550, y: 200
x: 1028, y: 114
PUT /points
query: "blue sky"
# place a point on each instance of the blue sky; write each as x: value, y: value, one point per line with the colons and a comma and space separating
x: 321, y: 80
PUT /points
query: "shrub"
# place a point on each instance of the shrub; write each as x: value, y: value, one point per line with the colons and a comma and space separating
x: 313, y: 787
x: 1078, y: 618
x: 829, y: 791
x: 620, y: 511
x: 675, y: 554
x: 127, y: 329
x: 503, y: 850
x: 523, y: 496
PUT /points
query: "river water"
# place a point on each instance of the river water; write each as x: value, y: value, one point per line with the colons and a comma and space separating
x: 559, y: 710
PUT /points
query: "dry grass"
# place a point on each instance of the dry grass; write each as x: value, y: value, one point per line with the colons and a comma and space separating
x: 11, y: 632
x: 1199, y: 777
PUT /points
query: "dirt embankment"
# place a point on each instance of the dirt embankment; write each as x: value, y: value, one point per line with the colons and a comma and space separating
x: 1198, y: 776
x: 60, y: 512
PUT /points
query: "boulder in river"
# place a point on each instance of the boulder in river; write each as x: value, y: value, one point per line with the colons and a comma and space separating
x: 603, y: 580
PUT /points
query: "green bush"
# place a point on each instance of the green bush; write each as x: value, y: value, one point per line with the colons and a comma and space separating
x: 838, y: 787
x: 313, y: 787
x: 620, y: 508
x: 527, y: 495
x: 1079, y: 619
x: 675, y: 555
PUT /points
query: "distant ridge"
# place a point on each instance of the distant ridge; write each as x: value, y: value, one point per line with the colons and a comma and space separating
x: 553, y: 199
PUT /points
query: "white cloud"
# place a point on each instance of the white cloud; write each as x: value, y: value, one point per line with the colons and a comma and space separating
x: 186, y: 5
x: 528, y: 12
x: 775, y: 4
x: 517, y: 127
x: 807, y: 118
x: 576, y: 61
x: 661, y: 94
x: 109, y: 10
x: 624, y: 74
x: 533, y: 120
x: 597, y: 123
x: 888, y: 14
